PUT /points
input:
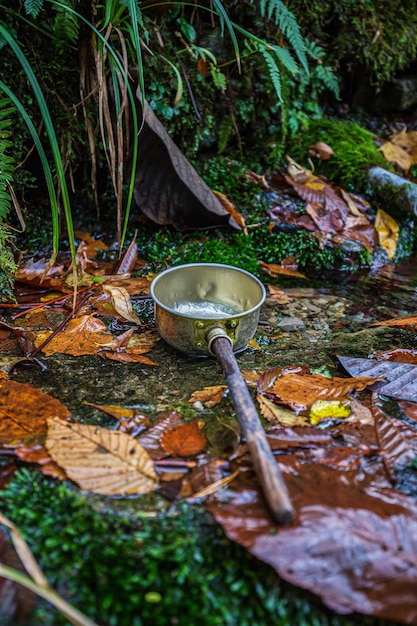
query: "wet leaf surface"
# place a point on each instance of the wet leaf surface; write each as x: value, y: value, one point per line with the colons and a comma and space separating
x: 401, y: 377
x: 184, y: 440
x: 83, y: 335
x: 301, y: 390
x: 24, y: 410
x: 100, y: 460
x: 352, y: 544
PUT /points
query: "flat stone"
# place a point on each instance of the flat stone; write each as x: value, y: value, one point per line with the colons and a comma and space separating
x: 291, y: 324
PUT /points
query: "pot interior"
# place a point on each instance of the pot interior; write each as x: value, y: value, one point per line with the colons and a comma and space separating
x: 207, y: 291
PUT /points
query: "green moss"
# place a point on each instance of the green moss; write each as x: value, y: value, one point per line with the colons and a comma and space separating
x: 177, y: 568
x: 355, y: 151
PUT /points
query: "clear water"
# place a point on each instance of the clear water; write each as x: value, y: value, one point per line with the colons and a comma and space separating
x: 209, y: 310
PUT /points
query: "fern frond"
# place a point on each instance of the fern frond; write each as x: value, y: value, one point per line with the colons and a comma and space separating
x: 287, y: 22
x: 6, y: 161
x: 285, y: 58
x: 274, y: 72
x: 33, y: 7
x: 66, y: 21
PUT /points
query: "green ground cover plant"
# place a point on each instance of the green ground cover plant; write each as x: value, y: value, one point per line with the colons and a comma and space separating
x: 136, y: 570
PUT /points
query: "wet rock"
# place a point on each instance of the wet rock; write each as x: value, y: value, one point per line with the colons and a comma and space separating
x: 291, y: 324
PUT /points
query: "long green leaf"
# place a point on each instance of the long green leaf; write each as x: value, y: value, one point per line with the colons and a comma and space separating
x: 224, y: 18
x: 44, y: 161
x: 49, y: 127
x: 133, y: 104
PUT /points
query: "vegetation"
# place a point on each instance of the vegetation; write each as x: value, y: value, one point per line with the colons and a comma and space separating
x: 376, y: 39
x: 354, y: 147
x: 7, y: 263
x: 146, y: 571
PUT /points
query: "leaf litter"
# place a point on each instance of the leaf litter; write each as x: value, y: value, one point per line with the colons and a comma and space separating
x: 353, y: 540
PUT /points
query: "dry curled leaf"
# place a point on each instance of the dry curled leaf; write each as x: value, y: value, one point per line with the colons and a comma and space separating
x: 320, y: 150
x: 121, y: 303
x: 209, y: 396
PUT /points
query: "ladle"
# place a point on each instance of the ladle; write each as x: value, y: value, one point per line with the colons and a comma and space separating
x: 213, y: 309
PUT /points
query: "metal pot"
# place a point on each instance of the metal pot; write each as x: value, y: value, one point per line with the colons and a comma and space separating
x: 210, y: 308
x: 195, y: 303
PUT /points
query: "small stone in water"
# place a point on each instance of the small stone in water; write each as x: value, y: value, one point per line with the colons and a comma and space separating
x: 204, y: 309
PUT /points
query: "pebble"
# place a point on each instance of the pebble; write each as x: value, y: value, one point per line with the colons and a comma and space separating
x: 291, y: 324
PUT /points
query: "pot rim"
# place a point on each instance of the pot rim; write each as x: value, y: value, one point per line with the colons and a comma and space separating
x: 205, y: 317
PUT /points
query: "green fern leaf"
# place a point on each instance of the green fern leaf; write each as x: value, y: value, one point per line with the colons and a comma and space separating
x: 287, y: 22
x: 66, y: 22
x: 6, y: 161
x: 286, y: 59
x: 33, y: 7
x: 274, y: 72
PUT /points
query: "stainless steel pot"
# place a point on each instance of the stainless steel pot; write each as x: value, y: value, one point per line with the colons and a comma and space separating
x: 194, y: 302
x: 210, y: 308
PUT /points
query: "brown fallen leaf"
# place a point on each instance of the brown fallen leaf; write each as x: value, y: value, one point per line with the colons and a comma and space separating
x: 277, y: 296
x: 279, y: 415
x: 184, y: 440
x: 83, y: 335
x: 300, y: 390
x: 151, y: 439
x: 93, y: 246
x: 121, y: 303
x: 351, y: 544
x: 396, y: 154
x: 138, y: 344
x: 38, y: 454
x: 123, y: 414
x: 231, y: 209
x: 209, y: 396
x: 408, y: 323
x: 276, y: 270
x: 24, y: 410
x: 202, y: 476
x: 103, y: 461
x: 400, y: 355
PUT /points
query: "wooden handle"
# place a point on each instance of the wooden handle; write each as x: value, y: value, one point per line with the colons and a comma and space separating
x: 266, y: 467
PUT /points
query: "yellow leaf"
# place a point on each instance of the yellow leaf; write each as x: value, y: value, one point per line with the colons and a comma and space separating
x: 326, y: 409
x: 104, y: 461
x: 396, y: 154
x: 388, y: 232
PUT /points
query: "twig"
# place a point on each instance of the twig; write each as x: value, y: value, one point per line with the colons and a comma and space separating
x: 61, y: 325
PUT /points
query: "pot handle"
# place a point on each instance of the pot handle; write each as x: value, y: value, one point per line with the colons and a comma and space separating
x: 265, y: 465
